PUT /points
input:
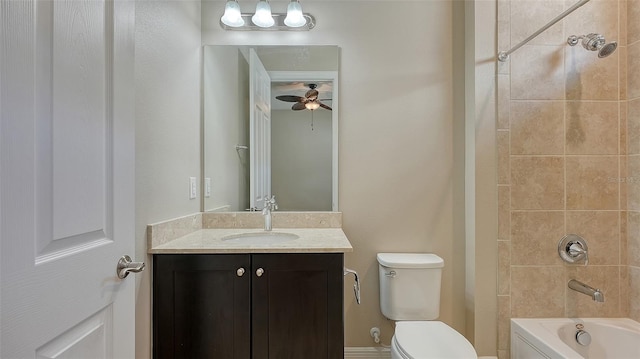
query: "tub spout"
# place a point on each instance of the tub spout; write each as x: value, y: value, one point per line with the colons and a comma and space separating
x: 595, y: 294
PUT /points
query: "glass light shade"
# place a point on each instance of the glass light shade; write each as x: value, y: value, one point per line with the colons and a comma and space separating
x: 294, y: 15
x: 312, y: 105
x: 263, y: 17
x: 232, y: 16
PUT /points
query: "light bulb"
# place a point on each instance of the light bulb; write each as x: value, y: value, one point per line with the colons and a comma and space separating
x: 263, y: 17
x: 294, y: 15
x: 312, y: 105
x: 232, y: 16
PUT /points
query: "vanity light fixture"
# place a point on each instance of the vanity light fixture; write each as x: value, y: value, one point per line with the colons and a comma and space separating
x: 232, y: 16
x: 294, y: 15
x: 263, y: 19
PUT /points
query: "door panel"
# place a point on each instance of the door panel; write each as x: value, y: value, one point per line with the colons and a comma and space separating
x: 259, y: 132
x: 90, y: 336
x: 297, y: 306
x: 67, y: 171
x: 201, y: 306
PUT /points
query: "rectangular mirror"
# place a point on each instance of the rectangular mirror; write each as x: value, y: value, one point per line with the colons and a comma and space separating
x: 270, y: 127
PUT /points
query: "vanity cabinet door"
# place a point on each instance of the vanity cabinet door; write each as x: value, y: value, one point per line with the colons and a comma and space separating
x: 297, y: 306
x: 201, y: 306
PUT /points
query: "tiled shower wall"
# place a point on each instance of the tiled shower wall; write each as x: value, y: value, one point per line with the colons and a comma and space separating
x: 562, y: 161
x: 633, y: 118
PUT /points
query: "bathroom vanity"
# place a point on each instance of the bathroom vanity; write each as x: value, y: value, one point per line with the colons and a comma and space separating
x: 215, y: 296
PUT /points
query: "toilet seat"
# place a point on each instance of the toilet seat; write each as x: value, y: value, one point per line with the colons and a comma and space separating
x: 431, y: 339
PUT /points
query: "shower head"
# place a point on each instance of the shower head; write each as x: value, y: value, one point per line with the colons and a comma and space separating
x: 594, y: 42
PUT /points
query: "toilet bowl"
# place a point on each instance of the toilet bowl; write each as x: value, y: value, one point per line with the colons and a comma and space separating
x: 429, y: 339
x: 410, y: 295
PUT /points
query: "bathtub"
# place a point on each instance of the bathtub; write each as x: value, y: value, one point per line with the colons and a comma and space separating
x: 555, y: 338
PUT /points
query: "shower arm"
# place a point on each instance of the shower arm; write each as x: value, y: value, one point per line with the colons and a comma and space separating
x: 504, y: 55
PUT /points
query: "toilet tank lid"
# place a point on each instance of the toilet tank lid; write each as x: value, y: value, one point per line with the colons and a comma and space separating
x: 410, y: 260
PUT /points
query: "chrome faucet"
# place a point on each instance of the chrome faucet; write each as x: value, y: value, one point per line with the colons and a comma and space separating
x: 269, y: 205
x: 595, y: 294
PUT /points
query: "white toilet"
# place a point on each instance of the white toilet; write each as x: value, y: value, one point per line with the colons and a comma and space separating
x: 410, y: 295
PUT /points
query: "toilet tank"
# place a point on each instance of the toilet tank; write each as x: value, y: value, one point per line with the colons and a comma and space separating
x: 410, y: 285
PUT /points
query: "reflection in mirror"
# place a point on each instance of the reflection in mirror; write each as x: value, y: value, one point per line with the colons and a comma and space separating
x: 267, y: 132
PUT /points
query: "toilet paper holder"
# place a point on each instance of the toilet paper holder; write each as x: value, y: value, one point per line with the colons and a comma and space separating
x: 356, y: 285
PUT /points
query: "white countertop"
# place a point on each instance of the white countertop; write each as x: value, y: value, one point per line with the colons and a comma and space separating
x: 311, y: 240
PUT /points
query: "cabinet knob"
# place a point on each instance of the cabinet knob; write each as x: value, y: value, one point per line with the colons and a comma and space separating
x: 259, y: 272
x: 240, y: 272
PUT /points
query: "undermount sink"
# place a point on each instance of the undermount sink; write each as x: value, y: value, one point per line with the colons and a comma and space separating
x: 260, y: 238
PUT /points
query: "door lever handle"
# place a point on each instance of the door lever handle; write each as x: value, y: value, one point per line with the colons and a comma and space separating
x: 126, y: 265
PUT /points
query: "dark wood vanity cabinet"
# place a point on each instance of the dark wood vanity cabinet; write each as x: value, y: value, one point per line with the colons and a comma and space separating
x: 284, y: 306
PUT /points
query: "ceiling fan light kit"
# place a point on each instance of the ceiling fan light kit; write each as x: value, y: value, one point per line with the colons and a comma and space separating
x: 264, y: 19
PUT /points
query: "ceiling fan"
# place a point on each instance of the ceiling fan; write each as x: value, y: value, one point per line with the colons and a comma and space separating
x: 310, y: 100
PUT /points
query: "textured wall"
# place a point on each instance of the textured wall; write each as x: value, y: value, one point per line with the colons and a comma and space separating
x: 562, y: 162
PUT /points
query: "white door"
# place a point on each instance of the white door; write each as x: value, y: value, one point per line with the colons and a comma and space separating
x: 66, y: 178
x: 259, y: 132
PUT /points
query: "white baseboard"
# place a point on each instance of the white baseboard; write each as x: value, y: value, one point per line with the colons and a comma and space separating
x: 367, y: 353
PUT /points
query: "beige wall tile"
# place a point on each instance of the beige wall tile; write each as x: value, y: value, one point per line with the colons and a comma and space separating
x: 592, y: 128
x: 625, y: 291
x: 597, y: 16
x: 589, y: 77
x: 537, y: 73
x: 529, y: 16
x: 633, y: 238
x: 504, y: 94
x: 504, y: 213
x: 504, y: 267
x: 633, y: 182
x: 622, y: 23
x: 633, y: 70
x: 502, y: 138
x: 633, y: 126
x: 537, y: 183
x: 504, y: 25
x: 504, y: 321
x: 624, y: 238
x: 605, y: 278
x: 601, y: 230
x: 537, y: 128
x: 624, y: 70
x: 624, y: 186
x: 623, y: 128
x: 537, y: 292
x: 535, y: 236
x: 592, y: 182
x: 633, y: 21
x: 634, y: 293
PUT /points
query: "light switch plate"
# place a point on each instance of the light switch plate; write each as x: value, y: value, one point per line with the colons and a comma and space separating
x: 207, y: 187
x: 192, y: 188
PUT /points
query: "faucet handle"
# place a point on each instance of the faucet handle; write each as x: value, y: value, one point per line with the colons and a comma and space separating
x: 573, y: 248
x: 577, y: 251
x: 271, y: 202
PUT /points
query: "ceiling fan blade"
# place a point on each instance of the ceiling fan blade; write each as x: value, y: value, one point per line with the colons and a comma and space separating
x: 290, y: 98
x: 325, y: 106
x: 298, y: 106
